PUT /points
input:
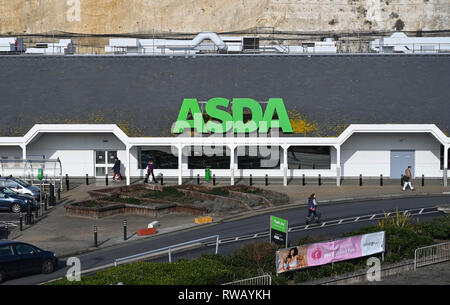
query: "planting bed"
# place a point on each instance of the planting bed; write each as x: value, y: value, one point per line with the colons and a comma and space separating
x: 154, y: 200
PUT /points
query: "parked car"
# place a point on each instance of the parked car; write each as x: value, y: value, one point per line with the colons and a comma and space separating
x: 14, y: 202
x: 17, y: 258
x: 20, y: 186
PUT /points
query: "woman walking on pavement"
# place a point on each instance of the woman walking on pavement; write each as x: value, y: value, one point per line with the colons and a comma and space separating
x: 312, y: 209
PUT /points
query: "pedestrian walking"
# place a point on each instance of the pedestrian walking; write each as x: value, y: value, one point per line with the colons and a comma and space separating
x: 150, y: 168
x: 116, y: 169
x: 312, y: 209
x: 407, y: 179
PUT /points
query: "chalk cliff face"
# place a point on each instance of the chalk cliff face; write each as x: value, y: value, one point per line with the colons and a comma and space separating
x: 189, y: 16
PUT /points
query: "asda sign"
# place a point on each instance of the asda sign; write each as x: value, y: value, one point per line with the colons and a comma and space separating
x: 223, y: 120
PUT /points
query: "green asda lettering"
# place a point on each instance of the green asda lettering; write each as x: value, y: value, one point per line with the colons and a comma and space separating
x: 216, y: 109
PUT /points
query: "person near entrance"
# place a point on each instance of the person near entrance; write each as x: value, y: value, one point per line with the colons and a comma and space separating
x: 116, y: 169
x: 407, y: 179
x: 312, y: 209
x: 150, y: 168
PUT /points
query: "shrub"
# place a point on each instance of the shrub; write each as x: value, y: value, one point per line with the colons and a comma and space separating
x: 118, y: 198
x: 201, y: 271
x: 438, y: 228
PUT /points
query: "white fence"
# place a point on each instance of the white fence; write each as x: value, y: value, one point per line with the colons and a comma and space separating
x: 431, y: 255
x: 265, y: 279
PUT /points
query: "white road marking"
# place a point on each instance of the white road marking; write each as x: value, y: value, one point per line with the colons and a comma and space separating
x: 421, y: 211
x: 357, y: 218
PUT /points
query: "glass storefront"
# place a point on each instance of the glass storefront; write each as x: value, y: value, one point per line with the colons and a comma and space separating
x: 309, y: 157
x: 259, y: 157
x: 163, y: 157
x: 215, y: 157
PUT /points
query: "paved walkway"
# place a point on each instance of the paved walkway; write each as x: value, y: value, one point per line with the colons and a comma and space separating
x: 67, y: 235
x: 438, y: 274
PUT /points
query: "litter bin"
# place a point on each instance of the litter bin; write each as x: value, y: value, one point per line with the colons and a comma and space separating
x: 208, y: 173
x: 40, y: 175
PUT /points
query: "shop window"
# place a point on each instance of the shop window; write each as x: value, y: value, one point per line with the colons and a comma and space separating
x: 215, y: 157
x: 309, y: 157
x: 254, y: 157
x: 163, y: 157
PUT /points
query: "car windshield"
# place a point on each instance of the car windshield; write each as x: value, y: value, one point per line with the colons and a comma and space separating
x: 8, y: 191
x: 22, y: 182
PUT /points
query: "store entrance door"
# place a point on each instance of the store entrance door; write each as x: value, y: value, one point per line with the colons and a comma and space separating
x: 400, y: 160
x: 104, y: 162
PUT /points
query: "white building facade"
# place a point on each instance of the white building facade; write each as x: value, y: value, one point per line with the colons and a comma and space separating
x: 369, y: 150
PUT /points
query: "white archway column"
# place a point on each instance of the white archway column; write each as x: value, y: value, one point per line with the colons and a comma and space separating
x: 180, y: 165
x: 128, y: 169
x: 24, y: 151
x: 445, y: 168
x: 338, y: 165
x: 232, y: 163
x: 285, y: 164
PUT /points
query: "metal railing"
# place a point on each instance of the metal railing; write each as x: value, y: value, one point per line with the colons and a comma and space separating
x: 169, y: 249
x: 265, y: 279
x: 431, y: 255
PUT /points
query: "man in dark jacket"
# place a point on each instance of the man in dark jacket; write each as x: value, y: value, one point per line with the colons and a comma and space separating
x: 150, y: 168
x: 116, y: 169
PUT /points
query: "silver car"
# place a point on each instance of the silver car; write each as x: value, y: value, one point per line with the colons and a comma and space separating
x: 20, y: 186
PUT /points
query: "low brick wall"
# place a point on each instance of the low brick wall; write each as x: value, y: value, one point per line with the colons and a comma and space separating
x: 114, y: 209
x: 212, y: 197
x: 95, y: 212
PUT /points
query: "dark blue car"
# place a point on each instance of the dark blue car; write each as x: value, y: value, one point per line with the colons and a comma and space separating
x: 11, y: 201
x: 17, y: 258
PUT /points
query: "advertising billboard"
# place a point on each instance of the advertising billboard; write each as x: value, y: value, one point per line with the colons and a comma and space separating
x: 322, y: 253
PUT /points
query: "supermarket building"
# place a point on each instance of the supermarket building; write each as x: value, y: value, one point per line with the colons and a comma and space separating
x: 369, y: 150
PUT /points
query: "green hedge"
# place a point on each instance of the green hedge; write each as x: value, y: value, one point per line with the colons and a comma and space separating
x: 201, y: 271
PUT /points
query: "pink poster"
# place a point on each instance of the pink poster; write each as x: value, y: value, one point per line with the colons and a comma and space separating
x: 328, y: 252
x: 335, y: 251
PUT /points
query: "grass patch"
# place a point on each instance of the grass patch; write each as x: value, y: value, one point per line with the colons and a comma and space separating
x: 167, y: 193
x: 129, y: 200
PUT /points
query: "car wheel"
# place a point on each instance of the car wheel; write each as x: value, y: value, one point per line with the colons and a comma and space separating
x: 16, y: 208
x: 2, y: 276
x: 48, y: 267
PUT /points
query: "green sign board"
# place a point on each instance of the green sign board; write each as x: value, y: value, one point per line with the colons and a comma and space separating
x: 222, y: 121
x: 278, y: 224
x: 279, y: 231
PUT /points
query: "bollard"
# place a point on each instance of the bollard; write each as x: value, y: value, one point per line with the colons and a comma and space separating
x: 146, y: 178
x: 381, y: 180
x: 423, y: 180
x: 36, y: 211
x: 46, y: 203
x: 21, y: 221
x: 303, y: 180
x: 52, y: 195
x: 95, y: 236
x: 41, y: 191
x: 59, y: 194
x: 124, y: 230
x: 28, y: 217
x: 214, y: 179
x: 6, y: 230
x: 162, y: 179
x: 67, y: 182
x: 198, y: 178
x: 87, y: 179
x: 267, y: 179
x: 106, y: 179
x: 251, y: 182
x: 360, y: 180
x: 401, y: 180
x: 320, y: 180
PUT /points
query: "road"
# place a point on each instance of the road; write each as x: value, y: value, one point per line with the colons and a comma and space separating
x: 331, y: 214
